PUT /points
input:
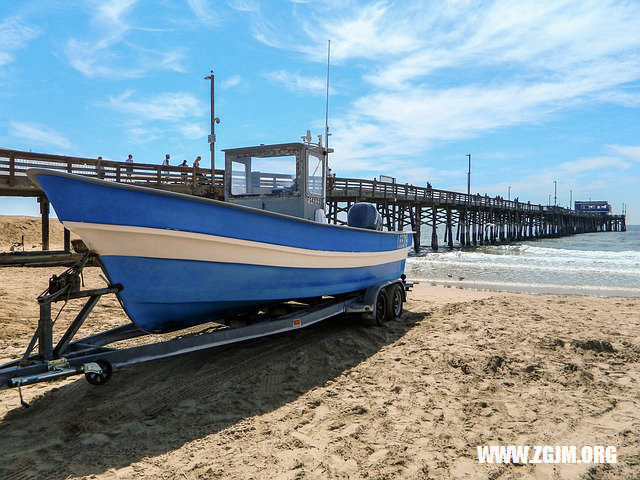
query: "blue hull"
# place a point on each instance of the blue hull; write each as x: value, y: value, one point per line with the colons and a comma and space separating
x: 155, y: 244
x: 204, y: 291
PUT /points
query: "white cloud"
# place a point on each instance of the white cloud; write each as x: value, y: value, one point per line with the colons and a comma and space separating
x: 628, y: 151
x: 15, y: 34
x: 443, y: 71
x: 579, y: 175
x: 151, y: 118
x: 244, y: 5
x: 6, y: 58
x: 232, y: 81
x: 204, y: 12
x: 108, y: 53
x: 370, y: 31
x: 192, y: 131
x: 594, y: 163
x: 298, y: 83
x: 168, y: 107
x: 40, y: 134
x: 145, y: 134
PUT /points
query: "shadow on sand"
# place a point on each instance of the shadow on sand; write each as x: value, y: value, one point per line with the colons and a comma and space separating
x: 151, y: 409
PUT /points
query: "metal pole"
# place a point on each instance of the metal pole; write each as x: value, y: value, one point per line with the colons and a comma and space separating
x: 326, y: 133
x: 570, y: 199
x: 469, y: 176
x: 549, y: 202
x: 212, y: 137
x: 326, y: 111
x: 509, y: 195
x: 555, y: 193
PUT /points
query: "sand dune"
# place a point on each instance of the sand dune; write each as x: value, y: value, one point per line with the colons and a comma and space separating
x: 340, y: 400
x: 12, y: 228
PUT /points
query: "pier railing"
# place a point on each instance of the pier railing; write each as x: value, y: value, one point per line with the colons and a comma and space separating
x: 14, y: 165
x: 356, y: 187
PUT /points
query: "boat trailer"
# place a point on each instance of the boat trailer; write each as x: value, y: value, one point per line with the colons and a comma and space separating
x: 92, y: 357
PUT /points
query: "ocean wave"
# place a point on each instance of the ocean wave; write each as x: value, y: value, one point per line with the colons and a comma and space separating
x: 550, y: 264
x: 532, y: 286
x: 538, y: 258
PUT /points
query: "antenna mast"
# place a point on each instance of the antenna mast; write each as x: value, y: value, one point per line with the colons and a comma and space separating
x: 326, y: 113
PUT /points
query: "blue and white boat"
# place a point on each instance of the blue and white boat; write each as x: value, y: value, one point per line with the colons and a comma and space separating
x: 185, y: 260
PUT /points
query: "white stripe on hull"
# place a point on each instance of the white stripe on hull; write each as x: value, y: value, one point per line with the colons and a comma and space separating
x: 128, y: 241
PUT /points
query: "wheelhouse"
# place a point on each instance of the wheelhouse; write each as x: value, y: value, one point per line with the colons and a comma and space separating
x: 287, y: 178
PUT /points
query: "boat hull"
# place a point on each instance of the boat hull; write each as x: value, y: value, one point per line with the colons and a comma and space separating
x: 184, y: 261
x: 169, y: 294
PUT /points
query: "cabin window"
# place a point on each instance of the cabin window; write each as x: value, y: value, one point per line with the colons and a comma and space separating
x: 315, y: 185
x: 238, y: 178
x: 273, y: 175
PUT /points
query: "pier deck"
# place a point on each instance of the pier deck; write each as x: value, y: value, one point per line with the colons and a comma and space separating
x: 476, y: 219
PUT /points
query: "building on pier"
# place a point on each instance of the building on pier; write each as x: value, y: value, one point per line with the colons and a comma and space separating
x: 600, y: 207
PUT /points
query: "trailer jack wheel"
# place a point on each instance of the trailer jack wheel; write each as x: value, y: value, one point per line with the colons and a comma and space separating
x: 100, y: 378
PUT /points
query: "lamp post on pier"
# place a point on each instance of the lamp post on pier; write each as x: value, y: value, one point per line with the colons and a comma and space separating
x: 212, y: 137
x: 509, y: 194
x: 555, y: 193
x: 469, y: 176
x: 570, y: 199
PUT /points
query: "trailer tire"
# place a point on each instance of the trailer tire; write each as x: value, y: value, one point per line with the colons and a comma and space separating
x: 102, y: 378
x: 396, y: 301
x: 381, y: 311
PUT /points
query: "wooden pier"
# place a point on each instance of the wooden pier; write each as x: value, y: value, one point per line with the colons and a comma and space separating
x: 467, y: 219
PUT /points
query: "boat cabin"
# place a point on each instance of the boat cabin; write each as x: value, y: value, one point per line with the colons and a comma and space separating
x: 288, y: 178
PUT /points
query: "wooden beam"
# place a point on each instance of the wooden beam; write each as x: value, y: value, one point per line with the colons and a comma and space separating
x: 44, y: 212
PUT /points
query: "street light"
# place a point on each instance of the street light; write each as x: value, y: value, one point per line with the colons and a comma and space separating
x: 549, y: 202
x: 212, y: 137
x: 509, y: 194
x: 570, y: 199
x: 555, y: 193
x: 469, y: 176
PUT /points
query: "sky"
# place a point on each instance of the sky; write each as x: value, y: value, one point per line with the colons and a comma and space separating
x: 534, y: 91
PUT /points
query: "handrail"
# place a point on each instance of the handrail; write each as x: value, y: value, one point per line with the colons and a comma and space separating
x: 373, y: 188
x: 15, y: 164
x: 19, y: 162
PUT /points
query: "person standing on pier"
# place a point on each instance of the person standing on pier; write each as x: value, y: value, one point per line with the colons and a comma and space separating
x: 165, y: 163
x: 184, y: 165
x: 196, y: 162
x: 129, y: 169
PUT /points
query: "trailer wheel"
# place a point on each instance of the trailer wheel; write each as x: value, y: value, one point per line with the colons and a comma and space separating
x: 100, y: 378
x: 396, y: 302
x: 382, y: 307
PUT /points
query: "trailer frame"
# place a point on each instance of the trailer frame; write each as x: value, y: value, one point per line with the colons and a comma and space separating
x: 93, y: 357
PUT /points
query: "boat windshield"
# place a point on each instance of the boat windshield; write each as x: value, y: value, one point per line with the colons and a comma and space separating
x: 264, y: 175
x: 315, y: 183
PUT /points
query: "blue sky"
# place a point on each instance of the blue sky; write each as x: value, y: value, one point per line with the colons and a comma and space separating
x: 535, y: 91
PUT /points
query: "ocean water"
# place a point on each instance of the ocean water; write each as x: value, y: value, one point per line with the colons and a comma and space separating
x: 606, y: 263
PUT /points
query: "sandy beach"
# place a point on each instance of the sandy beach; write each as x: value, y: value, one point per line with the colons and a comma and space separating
x: 411, y: 399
